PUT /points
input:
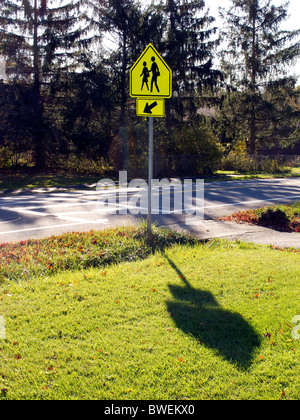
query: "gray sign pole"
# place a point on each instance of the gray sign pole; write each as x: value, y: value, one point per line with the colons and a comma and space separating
x: 150, y: 174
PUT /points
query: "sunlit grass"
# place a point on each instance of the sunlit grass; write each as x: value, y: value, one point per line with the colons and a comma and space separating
x: 202, y: 321
x: 80, y: 250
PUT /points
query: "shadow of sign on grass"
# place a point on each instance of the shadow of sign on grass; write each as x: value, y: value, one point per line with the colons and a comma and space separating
x: 197, y: 312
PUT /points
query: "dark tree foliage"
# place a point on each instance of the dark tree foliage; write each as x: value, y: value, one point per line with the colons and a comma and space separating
x: 38, y: 41
x: 66, y: 91
x: 258, y: 52
x: 190, y: 49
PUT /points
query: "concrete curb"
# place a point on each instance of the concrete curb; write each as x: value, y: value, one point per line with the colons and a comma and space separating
x: 209, y: 229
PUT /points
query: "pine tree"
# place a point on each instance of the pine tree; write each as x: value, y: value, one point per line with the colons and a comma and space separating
x: 38, y: 40
x: 256, y: 56
x: 189, y: 50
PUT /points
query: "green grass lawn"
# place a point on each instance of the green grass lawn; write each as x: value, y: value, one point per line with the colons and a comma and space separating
x: 191, y: 321
x: 235, y: 175
x: 29, y: 180
x: 12, y: 180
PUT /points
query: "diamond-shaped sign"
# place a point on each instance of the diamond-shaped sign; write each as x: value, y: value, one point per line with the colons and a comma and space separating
x: 150, y: 76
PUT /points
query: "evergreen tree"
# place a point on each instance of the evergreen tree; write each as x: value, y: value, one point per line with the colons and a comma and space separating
x: 276, y: 117
x: 189, y: 52
x: 255, y: 58
x: 37, y: 40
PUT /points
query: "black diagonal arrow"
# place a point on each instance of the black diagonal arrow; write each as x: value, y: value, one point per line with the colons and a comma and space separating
x: 148, y: 108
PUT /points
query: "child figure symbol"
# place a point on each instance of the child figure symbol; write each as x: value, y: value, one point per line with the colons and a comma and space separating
x: 145, y: 74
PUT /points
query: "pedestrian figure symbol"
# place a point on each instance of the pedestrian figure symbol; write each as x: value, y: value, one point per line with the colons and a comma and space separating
x: 155, y: 74
x: 146, y: 75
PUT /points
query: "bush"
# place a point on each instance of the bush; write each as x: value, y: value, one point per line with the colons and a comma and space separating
x: 201, y: 149
x: 5, y: 157
x: 273, y: 216
x: 80, y: 164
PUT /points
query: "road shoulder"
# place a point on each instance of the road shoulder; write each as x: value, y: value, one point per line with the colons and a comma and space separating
x: 209, y: 229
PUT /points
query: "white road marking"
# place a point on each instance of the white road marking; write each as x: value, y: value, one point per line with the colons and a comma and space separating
x: 25, y: 211
x: 71, y: 212
x: 35, y: 211
x: 14, y: 203
x: 252, y: 202
x: 85, y: 203
x: 9, y: 221
x: 32, y: 210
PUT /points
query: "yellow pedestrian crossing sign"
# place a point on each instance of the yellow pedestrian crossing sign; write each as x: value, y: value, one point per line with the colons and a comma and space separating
x: 150, y: 76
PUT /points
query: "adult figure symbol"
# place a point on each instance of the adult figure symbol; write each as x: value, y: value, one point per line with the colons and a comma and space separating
x: 155, y: 74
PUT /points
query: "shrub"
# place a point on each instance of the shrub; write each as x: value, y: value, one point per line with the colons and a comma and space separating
x: 273, y: 216
x: 5, y: 157
x: 202, y: 145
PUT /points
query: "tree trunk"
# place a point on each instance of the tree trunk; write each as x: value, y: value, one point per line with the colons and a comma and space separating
x: 123, y: 127
x: 253, y: 88
x: 252, y: 132
x: 38, y: 132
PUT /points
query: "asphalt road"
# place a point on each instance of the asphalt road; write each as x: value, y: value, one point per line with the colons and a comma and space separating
x: 41, y: 213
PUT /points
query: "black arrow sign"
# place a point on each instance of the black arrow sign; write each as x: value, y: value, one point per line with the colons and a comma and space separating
x: 148, y: 108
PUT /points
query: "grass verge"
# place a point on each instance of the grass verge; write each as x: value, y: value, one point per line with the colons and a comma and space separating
x: 12, y: 181
x: 76, y: 251
x: 18, y: 180
x: 192, y: 321
x: 242, y: 176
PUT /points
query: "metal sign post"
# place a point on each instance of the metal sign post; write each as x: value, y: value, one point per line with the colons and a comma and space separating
x: 2, y: 69
x: 150, y: 174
